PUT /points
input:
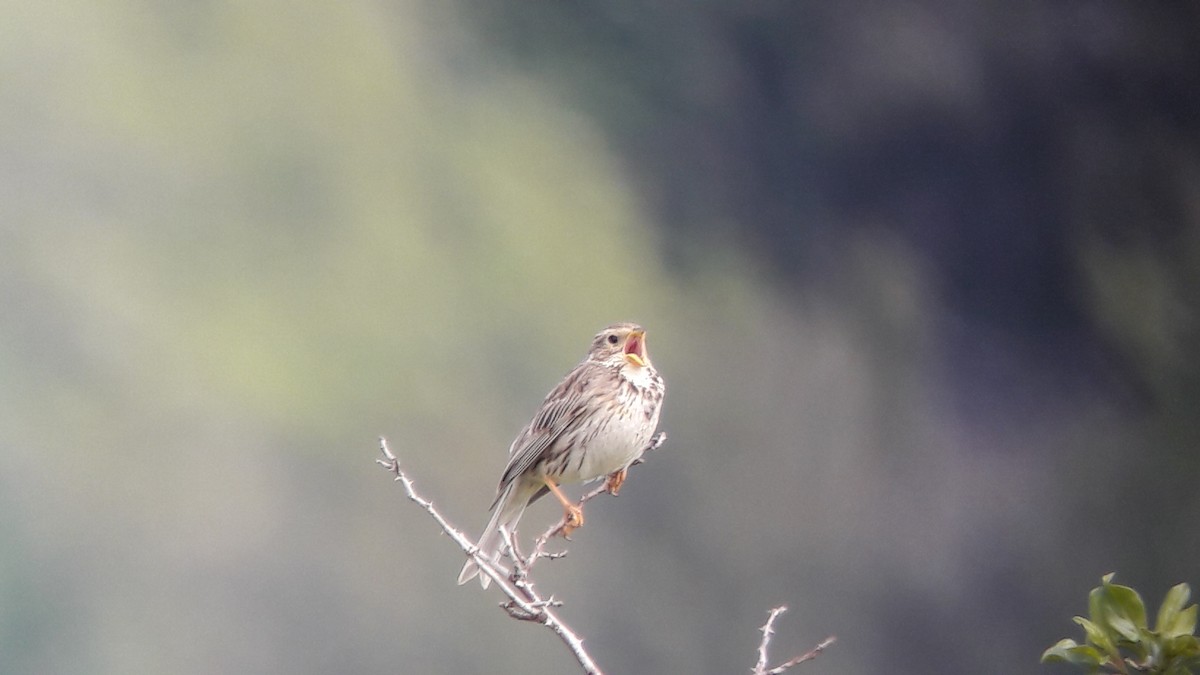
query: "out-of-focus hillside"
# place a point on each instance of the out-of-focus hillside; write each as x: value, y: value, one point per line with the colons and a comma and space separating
x: 922, y: 281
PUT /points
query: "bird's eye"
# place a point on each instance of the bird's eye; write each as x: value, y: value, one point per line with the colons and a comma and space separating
x: 613, y: 339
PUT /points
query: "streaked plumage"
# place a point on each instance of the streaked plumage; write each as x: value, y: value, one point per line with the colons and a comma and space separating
x: 593, y: 424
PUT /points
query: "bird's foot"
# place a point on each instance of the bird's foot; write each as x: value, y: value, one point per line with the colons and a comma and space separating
x: 572, y: 519
x: 615, y: 480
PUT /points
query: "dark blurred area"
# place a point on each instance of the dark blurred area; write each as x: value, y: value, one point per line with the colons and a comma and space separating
x: 923, y: 279
x: 1004, y: 145
x: 1040, y: 162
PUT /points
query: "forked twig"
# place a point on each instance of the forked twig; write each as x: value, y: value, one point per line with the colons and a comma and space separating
x: 768, y: 629
x: 539, y: 544
x: 523, y: 602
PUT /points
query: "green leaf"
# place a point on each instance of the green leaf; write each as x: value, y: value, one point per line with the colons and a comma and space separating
x: 1184, y: 663
x: 1060, y: 646
x: 1124, y: 627
x: 1177, y: 669
x: 1183, y: 625
x: 1176, y: 598
x: 1097, y: 636
x: 1067, y: 651
x: 1182, y: 647
x: 1124, y: 609
x: 1096, y: 602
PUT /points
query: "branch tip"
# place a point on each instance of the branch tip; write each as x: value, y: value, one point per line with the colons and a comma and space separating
x: 524, y: 604
x: 768, y: 629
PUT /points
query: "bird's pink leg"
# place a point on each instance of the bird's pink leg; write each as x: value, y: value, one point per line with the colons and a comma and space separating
x: 573, y: 515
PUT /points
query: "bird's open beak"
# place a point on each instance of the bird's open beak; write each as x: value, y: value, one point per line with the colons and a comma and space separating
x: 635, y: 348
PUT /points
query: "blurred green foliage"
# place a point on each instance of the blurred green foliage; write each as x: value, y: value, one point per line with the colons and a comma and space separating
x: 1118, y: 639
x: 239, y: 241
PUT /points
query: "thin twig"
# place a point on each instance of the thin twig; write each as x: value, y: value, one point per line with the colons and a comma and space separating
x: 523, y: 564
x: 768, y: 629
x: 539, y: 544
x: 656, y: 442
x: 523, y: 602
x: 806, y: 656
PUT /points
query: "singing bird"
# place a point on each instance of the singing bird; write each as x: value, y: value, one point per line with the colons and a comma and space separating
x: 594, y: 423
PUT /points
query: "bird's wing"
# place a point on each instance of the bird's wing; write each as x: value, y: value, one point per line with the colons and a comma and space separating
x: 562, y: 409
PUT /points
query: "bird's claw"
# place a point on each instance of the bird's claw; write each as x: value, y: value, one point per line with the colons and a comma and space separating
x: 572, y: 520
x: 615, y: 480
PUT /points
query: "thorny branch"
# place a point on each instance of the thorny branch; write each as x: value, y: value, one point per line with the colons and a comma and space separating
x: 525, y: 603
x: 768, y: 629
x: 523, y: 564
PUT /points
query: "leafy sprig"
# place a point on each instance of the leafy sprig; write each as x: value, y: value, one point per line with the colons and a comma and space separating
x: 1118, y: 639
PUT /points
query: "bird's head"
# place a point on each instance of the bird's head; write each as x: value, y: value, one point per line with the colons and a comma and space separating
x: 621, y: 343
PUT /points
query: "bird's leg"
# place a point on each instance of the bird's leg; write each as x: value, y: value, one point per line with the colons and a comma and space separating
x: 615, y: 480
x: 572, y: 514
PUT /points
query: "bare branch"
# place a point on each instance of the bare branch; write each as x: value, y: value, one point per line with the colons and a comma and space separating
x: 806, y: 656
x: 656, y: 442
x: 768, y: 629
x: 523, y: 564
x: 539, y: 544
x: 523, y: 602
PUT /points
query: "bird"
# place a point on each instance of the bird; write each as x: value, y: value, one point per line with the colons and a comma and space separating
x: 595, y: 423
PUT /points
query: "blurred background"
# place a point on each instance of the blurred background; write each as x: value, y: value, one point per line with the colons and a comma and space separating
x: 923, y: 280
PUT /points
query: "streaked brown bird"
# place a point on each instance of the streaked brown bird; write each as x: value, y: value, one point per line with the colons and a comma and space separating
x: 594, y: 423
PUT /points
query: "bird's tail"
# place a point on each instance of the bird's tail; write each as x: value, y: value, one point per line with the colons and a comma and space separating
x: 507, y: 513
